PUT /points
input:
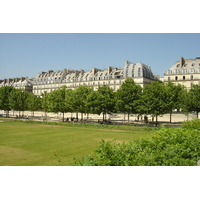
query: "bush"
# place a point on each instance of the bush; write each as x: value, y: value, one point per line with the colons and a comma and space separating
x: 193, y: 124
x: 168, y: 147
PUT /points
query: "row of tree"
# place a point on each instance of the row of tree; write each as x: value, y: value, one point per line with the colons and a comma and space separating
x: 155, y: 99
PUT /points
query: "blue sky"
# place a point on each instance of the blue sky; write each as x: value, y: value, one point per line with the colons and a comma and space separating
x: 27, y: 54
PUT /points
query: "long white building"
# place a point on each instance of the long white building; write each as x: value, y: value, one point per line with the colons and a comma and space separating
x: 112, y: 76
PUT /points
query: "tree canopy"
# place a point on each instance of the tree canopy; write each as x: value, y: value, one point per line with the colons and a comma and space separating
x: 127, y: 97
x: 154, y: 99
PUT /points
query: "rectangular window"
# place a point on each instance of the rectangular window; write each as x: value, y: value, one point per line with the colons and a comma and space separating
x: 168, y: 78
x: 183, y: 77
x: 176, y: 78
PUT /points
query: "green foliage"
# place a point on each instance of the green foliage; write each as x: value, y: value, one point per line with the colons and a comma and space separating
x: 93, y: 103
x: 191, y: 100
x: 127, y: 97
x: 101, y: 101
x: 18, y: 100
x: 168, y: 147
x: 106, y: 99
x: 4, y: 97
x: 45, y: 102
x: 154, y: 99
x: 80, y: 99
x: 195, y: 98
x: 33, y: 102
x: 193, y: 124
x: 174, y: 93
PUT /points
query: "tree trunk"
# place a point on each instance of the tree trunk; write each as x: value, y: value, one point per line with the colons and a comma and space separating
x: 63, y: 118
x: 77, y: 116
x: 170, y: 117
x: 7, y: 114
x: 197, y: 114
x: 128, y: 116
x: 156, y: 120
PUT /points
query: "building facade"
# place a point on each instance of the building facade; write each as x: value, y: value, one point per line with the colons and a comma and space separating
x: 112, y: 76
x: 185, y: 72
x: 19, y: 83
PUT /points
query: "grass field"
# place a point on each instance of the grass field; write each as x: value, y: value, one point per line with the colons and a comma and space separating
x: 36, y: 144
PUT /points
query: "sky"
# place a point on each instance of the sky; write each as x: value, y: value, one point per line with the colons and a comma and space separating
x: 28, y: 54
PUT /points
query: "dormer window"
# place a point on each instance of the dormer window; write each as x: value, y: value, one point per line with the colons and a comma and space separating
x: 178, y: 65
x: 193, y: 65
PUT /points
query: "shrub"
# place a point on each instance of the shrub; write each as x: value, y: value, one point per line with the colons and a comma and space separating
x: 168, y: 147
x: 193, y: 124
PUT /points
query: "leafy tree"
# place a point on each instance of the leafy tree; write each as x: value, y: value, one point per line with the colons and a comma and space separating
x: 4, y: 98
x: 174, y: 93
x: 33, y: 103
x: 69, y: 99
x: 154, y: 100
x: 194, y: 95
x: 185, y: 102
x: 57, y: 102
x: 45, y: 103
x: 93, y: 104
x: 127, y: 97
x: 101, y: 101
x: 105, y: 96
x: 18, y: 100
x: 80, y: 99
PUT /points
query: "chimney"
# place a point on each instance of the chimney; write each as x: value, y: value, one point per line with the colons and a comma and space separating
x: 94, y: 71
x: 82, y: 72
x: 109, y: 69
x: 182, y: 61
x: 50, y: 71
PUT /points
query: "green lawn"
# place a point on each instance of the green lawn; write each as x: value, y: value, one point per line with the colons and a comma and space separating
x: 35, y: 144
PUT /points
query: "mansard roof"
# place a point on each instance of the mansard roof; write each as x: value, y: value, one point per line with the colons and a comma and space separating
x: 185, y: 66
